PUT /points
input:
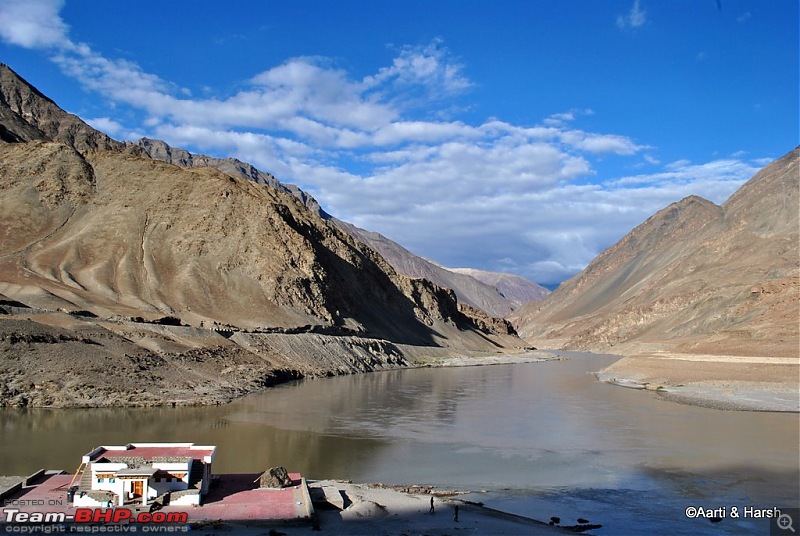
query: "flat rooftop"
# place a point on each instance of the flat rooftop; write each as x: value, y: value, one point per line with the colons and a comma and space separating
x: 148, y: 452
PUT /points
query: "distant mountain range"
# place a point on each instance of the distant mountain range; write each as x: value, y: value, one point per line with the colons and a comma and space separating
x: 513, y: 288
x: 695, y: 277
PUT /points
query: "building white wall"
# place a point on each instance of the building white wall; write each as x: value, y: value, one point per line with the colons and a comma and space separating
x: 115, y: 484
x: 160, y: 483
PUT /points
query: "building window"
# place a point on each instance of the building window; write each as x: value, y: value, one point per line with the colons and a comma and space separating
x: 101, y: 480
x: 112, y: 480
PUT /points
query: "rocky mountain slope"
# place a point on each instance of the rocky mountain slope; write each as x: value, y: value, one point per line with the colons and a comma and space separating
x: 26, y: 115
x: 469, y: 289
x: 160, y: 150
x: 123, y: 263
x: 695, y: 278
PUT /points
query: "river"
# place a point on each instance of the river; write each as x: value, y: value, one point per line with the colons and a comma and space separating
x: 538, y: 439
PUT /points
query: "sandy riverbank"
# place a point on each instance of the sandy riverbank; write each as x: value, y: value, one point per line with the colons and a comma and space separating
x: 528, y: 356
x: 749, y: 383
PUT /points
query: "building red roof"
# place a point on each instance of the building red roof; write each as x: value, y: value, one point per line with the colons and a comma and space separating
x: 154, y: 450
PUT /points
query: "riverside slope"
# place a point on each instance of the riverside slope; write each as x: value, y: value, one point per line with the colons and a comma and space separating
x: 129, y: 281
x: 699, y: 295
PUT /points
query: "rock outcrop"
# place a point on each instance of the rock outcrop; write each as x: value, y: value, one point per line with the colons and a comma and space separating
x: 27, y: 115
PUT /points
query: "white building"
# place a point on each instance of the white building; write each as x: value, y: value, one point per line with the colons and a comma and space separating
x: 138, y: 473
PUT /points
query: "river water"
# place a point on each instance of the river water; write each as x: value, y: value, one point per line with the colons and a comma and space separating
x: 538, y: 439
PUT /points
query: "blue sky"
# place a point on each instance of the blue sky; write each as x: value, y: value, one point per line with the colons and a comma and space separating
x: 520, y: 136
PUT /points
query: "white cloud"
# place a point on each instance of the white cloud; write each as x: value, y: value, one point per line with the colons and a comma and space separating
x: 558, y: 120
x: 374, y: 151
x: 33, y: 23
x: 635, y: 18
x: 105, y: 124
x: 600, y: 143
x: 678, y: 164
x: 430, y: 67
x: 561, y: 119
x: 715, y: 180
x: 399, y: 132
x: 116, y: 80
x: 551, y: 231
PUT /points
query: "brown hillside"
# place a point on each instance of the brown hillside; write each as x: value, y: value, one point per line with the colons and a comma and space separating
x: 144, y: 253
x: 469, y: 289
x: 118, y: 234
x: 694, y: 278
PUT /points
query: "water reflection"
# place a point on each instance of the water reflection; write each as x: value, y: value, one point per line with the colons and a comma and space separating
x: 549, y: 430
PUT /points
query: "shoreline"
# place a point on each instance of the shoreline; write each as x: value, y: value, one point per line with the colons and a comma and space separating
x: 732, y: 396
x: 520, y: 356
x: 720, y: 394
x: 628, y: 371
x: 517, y: 358
x: 722, y: 382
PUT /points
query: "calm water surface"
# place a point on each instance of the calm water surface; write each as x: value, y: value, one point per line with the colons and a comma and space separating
x: 541, y: 439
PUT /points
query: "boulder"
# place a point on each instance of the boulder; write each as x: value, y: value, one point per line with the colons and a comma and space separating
x: 276, y: 477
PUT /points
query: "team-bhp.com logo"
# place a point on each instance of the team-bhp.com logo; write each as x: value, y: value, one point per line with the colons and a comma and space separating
x: 90, y: 515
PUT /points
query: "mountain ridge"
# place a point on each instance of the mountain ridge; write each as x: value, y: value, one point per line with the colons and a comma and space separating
x: 34, y: 116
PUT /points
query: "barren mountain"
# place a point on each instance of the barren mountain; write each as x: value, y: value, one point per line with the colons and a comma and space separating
x: 99, y: 239
x: 695, y: 278
x: 514, y: 288
x: 468, y: 289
